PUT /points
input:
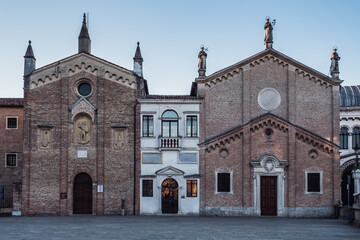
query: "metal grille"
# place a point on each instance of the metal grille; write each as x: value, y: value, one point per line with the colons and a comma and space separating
x: 11, y: 160
x: 147, y: 188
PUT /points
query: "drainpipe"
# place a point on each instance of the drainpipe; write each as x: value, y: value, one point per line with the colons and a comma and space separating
x: 134, y: 197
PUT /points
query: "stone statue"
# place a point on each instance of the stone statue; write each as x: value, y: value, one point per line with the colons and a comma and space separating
x: 334, y: 67
x: 202, y: 59
x: 268, y: 40
x: 83, y: 137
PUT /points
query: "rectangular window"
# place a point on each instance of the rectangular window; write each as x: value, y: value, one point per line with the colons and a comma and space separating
x: 223, y: 182
x: 2, y: 195
x: 11, y: 122
x: 147, y: 188
x: 148, y: 126
x: 187, y: 158
x: 191, y: 188
x: 313, y: 182
x: 152, y: 158
x: 11, y: 160
x: 191, y: 126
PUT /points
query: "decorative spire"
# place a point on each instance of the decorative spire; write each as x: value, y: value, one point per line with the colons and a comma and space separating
x: 29, y: 61
x: 138, y: 61
x: 334, y: 67
x: 84, y: 38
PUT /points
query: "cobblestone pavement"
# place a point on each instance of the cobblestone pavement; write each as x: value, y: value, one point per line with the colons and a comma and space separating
x: 174, y: 227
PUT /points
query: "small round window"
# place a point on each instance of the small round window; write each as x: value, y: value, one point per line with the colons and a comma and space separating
x: 84, y: 89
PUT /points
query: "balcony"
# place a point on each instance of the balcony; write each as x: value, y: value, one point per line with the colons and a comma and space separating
x: 170, y: 143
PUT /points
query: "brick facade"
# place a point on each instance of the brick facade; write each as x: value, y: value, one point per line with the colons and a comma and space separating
x: 234, y: 138
x: 11, y: 142
x: 53, y: 104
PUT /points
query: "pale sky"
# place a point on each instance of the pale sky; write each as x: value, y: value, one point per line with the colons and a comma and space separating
x: 171, y: 33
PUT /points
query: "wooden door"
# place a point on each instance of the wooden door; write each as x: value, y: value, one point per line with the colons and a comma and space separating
x: 268, y: 196
x: 82, y: 194
x: 169, y: 196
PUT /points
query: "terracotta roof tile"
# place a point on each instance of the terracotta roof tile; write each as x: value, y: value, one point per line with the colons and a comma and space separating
x: 12, y: 102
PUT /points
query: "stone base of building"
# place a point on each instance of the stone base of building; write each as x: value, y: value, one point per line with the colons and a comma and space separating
x: 226, y: 211
x: 310, y: 212
x: 249, y: 211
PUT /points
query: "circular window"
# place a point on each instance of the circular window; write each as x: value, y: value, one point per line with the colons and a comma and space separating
x: 268, y: 132
x: 84, y: 89
x: 269, y: 99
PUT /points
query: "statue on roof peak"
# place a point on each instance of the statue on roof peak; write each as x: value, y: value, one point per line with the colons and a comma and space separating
x: 334, y: 67
x: 268, y: 40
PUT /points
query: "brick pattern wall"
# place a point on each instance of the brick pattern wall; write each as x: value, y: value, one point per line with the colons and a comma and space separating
x: 305, y: 103
x: 49, y: 172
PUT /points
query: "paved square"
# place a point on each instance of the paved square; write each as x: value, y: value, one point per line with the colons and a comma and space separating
x: 174, y: 227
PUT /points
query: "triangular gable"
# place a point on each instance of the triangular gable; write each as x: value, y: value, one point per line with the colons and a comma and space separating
x: 83, y: 106
x: 268, y: 119
x: 275, y: 56
x: 82, y: 62
x: 169, y: 171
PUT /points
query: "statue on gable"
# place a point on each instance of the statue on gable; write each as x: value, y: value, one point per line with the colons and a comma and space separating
x: 268, y: 40
x: 334, y: 67
x: 202, y: 61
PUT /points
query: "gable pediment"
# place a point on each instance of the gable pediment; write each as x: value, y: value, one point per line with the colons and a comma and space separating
x: 82, y: 62
x: 261, y: 122
x: 169, y: 171
x: 82, y: 106
x: 262, y: 57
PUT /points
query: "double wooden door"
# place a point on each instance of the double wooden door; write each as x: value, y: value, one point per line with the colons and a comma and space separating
x: 268, y: 195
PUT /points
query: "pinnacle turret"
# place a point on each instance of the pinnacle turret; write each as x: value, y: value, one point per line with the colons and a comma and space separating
x: 84, y: 38
x: 29, y: 61
x: 138, y: 61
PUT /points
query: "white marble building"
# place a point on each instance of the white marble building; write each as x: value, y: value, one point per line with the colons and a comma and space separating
x: 169, y: 180
x: 349, y: 137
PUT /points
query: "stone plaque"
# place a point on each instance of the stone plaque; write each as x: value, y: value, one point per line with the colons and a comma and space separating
x: 82, y: 153
x: 82, y: 130
x: 119, y: 136
x: 45, y: 138
x: 269, y: 99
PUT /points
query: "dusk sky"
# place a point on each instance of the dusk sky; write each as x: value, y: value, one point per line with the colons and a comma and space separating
x: 171, y: 33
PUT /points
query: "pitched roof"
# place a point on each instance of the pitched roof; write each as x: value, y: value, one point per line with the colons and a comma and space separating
x: 277, y: 54
x: 12, y: 102
x: 259, y: 118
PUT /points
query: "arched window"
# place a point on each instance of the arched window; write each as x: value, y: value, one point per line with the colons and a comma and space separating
x: 356, y: 137
x: 344, y: 136
x: 169, y: 122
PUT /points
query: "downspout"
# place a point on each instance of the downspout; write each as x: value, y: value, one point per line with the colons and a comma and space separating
x: 134, y: 197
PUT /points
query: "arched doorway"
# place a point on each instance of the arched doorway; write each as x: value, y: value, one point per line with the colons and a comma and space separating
x: 82, y: 194
x: 344, y: 181
x: 169, y: 196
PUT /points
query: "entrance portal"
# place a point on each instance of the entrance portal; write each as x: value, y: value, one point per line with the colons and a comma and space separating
x: 347, y: 174
x: 82, y: 194
x: 169, y: 196
x: 268, y: 195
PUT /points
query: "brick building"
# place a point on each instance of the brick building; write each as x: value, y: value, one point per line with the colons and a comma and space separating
x: 11, y: 147
x: 263, y: 139
x: 80, y: 134
x: 269, y: 138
